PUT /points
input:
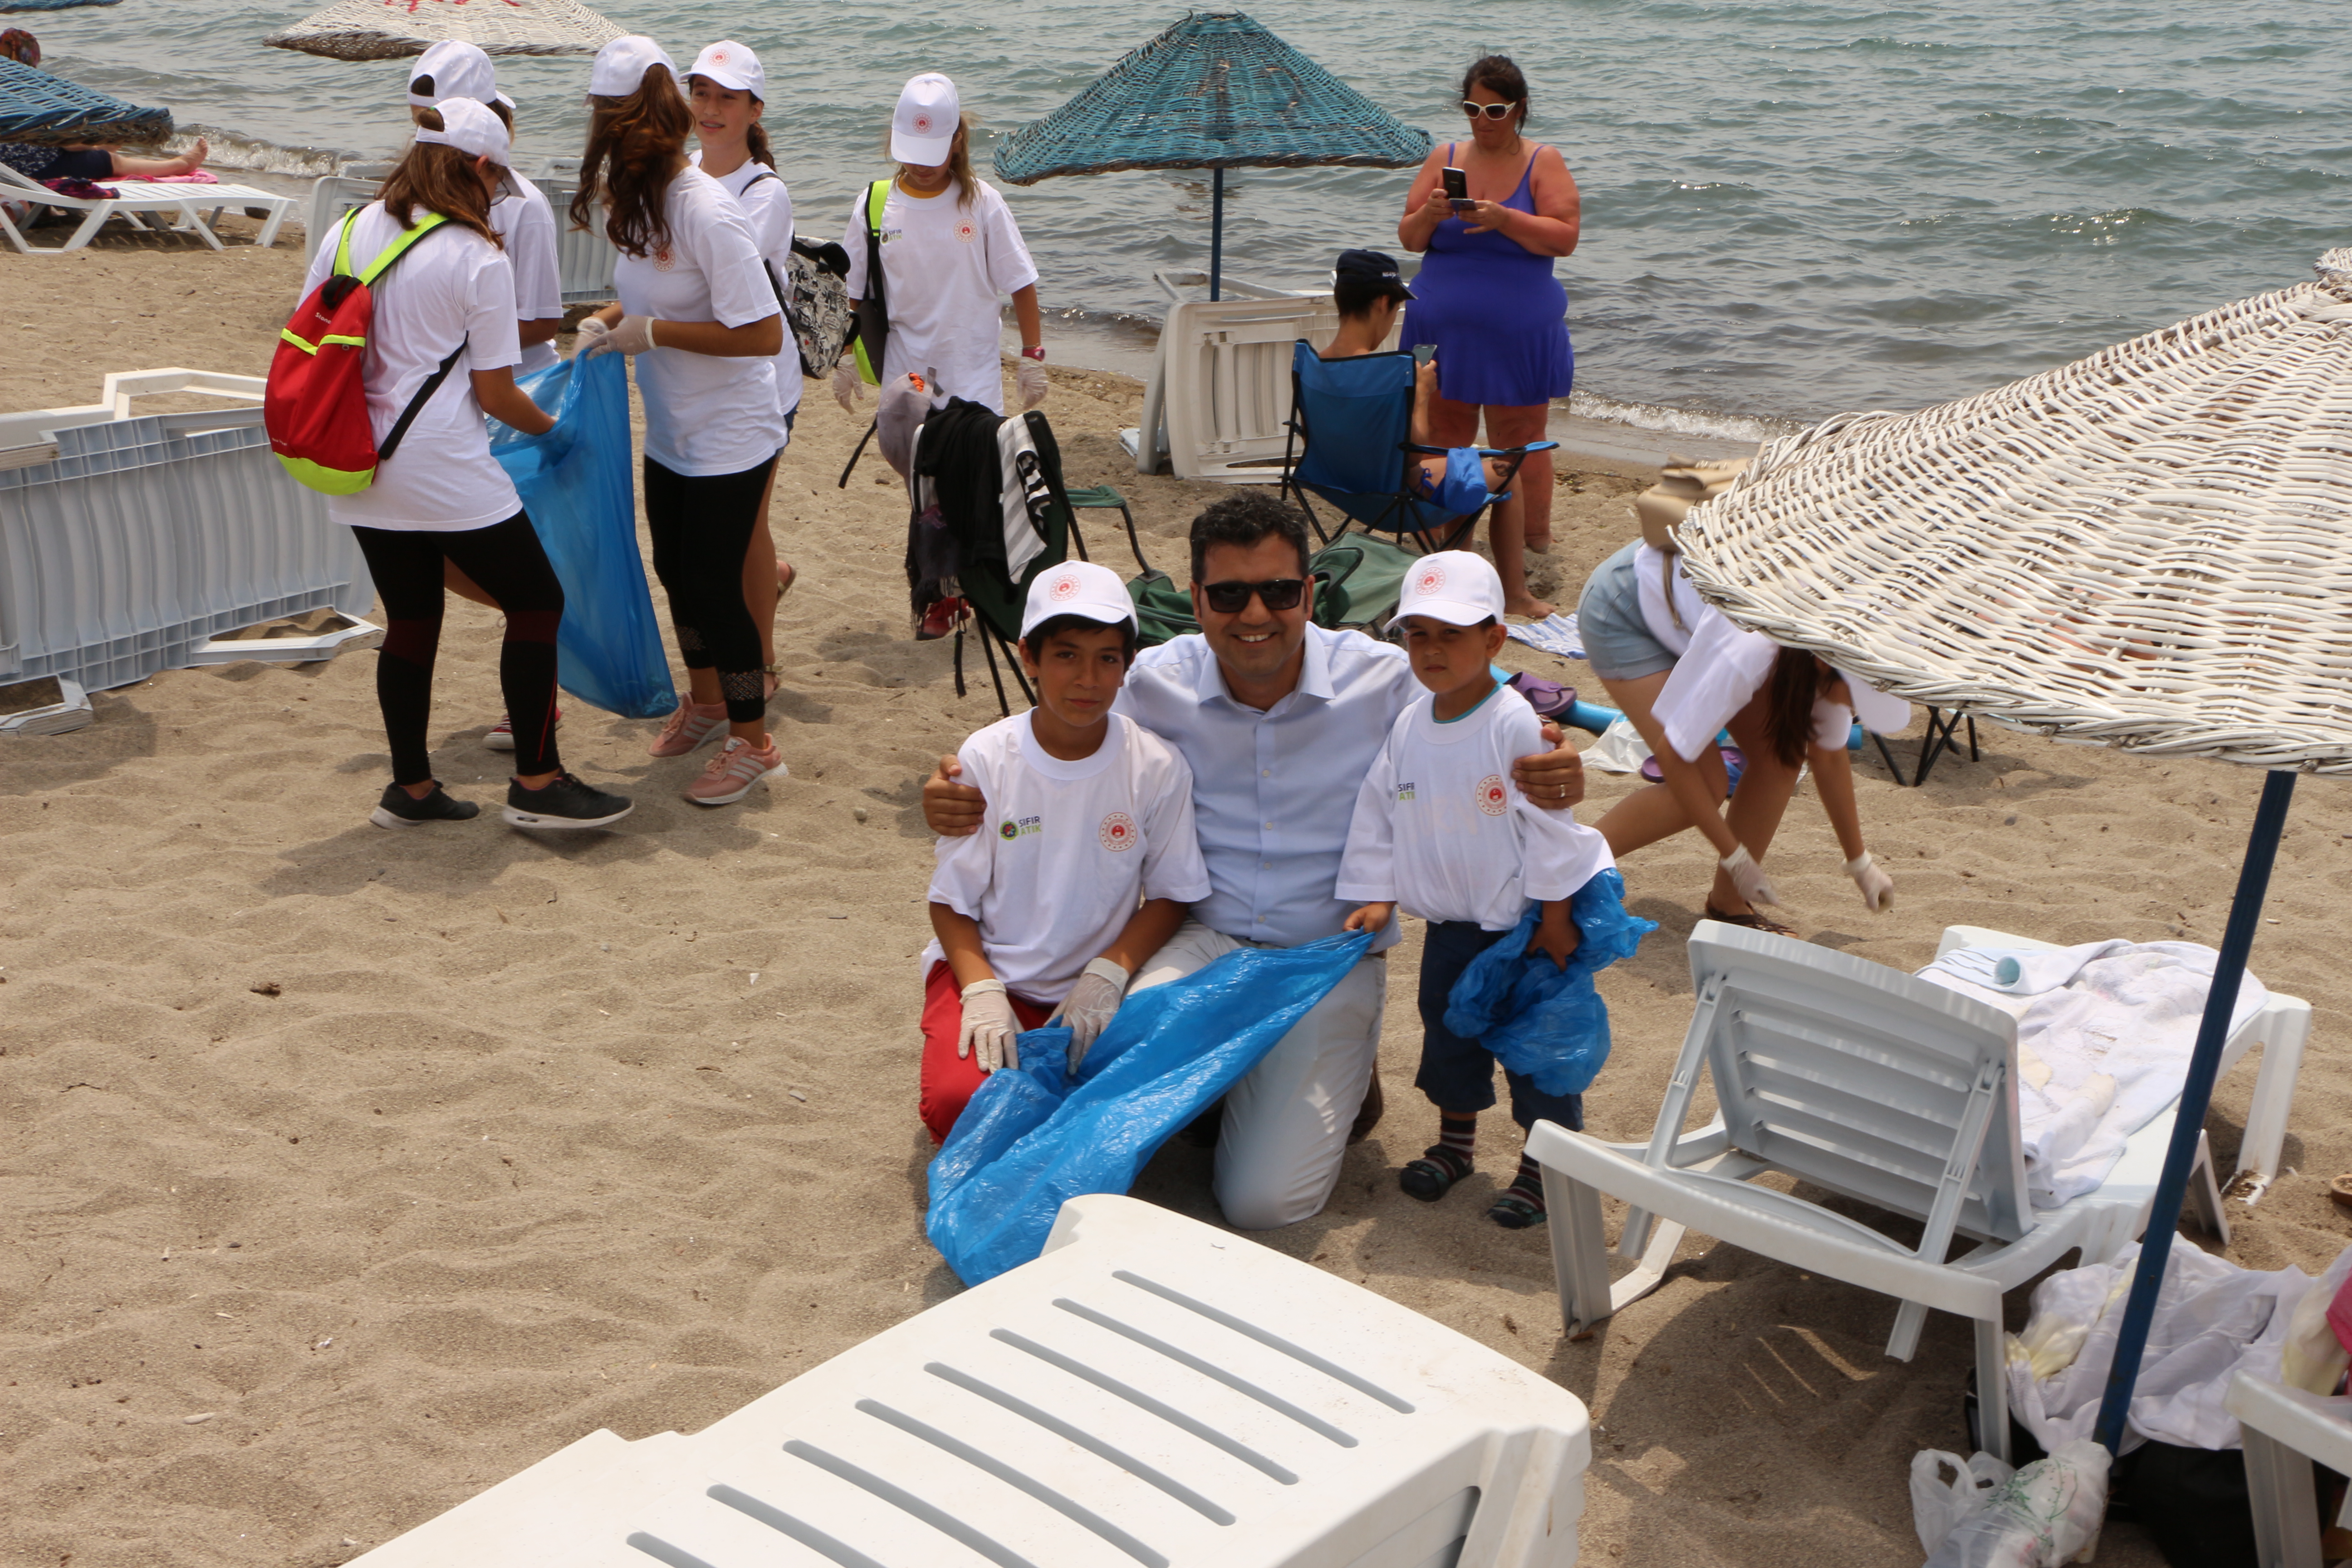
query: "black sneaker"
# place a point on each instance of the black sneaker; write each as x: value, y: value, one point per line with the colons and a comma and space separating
x: 398, y: 809
x: 564, y: 802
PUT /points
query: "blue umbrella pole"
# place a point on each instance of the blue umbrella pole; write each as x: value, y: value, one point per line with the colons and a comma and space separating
x: 2196, y: 1094
x: 1216, y: 230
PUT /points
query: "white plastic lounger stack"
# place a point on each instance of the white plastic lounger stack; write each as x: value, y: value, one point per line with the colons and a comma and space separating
x: 1151, y: 1391
x: 2286, y: 1429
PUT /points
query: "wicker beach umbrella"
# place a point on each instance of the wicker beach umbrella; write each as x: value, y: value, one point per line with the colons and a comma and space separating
x: 2147, y: 549
x: 388, y: 29
x: 37, y: 106
x: 1216, y: 91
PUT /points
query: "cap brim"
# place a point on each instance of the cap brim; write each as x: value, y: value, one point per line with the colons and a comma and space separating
x: 923, y: 151
x: 1453, y: 612
x: 1101, y: 614
x: 726, y: 79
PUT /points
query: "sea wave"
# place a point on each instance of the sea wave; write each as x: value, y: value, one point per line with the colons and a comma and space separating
x: 1715, y: 424
x: 231, y: 150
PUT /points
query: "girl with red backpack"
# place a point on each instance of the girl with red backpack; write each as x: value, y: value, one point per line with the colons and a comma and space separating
x: 436, y: 494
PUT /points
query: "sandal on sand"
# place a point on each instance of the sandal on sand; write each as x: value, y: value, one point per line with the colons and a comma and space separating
x: 1432, y: 1176
x: 2340, y: 1189
x: 1753, y: 920
x: 1514, y: 1210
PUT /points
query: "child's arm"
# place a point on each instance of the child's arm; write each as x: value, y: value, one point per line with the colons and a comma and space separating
x: 988, y: 1020
x: 1368, y: 864
x: 1372, y: 917
x: 1556, y: 934
x: 1146, y: 933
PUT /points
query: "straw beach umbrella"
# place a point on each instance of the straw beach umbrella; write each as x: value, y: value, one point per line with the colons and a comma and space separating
x: 37, y: 106
x: 387, y: 29
x: 2147, y: 549
x: 1216, y: 91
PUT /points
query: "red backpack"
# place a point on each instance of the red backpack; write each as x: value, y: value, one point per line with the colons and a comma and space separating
x: 315, y: 405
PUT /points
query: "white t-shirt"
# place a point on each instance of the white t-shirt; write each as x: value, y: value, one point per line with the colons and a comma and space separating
x: 944, y: 266
x: 1069, y: 851
x: 1650, y: 581
x: 452, y: 287
x: 704, y: 414
x: 528, y: 225
x: 768, y: 208
x: 1725, y: 668
x: 1441, y: 831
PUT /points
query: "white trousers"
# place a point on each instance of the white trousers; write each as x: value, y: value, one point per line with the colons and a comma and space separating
x: 1286, y: 1122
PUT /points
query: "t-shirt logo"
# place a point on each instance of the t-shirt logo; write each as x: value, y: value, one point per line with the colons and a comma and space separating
x: 965, y: 232
x: 1405, y: 790
x: 1428, y: 580
x: 1009, y: 831
x: 663, y: 260
x: 1063, y: 588
x: 1492, y: 799
x: 1118, y: 831
x: 1012, y: 828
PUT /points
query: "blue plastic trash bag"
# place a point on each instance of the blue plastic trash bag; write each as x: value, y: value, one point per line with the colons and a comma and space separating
x: 1539, y: 1020
x: 1463, y: 490
x: 575, y: 483
x: 1030, y: 1139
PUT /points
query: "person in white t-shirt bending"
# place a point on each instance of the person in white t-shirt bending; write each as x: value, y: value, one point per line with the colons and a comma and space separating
x: 728, y: 89
x: 1088, y: 869
x: 441, y: 497
x: 698, y: 311
x: 949, y: 250
x: 525, y: 225
x: 1439, y: 832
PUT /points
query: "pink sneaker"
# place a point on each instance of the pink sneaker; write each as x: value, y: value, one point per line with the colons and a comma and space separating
x: 729, y: 776
x: 501, y: 735
x: 693, y: 723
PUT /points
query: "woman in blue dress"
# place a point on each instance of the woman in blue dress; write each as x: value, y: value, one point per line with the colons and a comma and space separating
x: 1488, y: 298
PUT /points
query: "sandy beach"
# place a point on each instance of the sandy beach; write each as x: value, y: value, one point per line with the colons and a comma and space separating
x: 344, y: 1174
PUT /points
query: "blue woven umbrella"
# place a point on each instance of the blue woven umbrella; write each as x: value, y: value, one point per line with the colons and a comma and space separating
x: 37, y: 106
x: 1216, y: 91
x: 7, y: 5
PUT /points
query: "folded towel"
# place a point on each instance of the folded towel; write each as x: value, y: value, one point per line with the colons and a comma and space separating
x: 1553, y: 634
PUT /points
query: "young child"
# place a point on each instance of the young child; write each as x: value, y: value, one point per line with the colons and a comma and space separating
x: 1089, y: 868
x: 1439, y: 830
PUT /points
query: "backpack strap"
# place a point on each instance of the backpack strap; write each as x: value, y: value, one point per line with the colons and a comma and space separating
x: 375, y: 269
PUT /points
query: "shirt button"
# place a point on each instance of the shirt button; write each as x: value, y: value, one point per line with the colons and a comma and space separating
x: 1265, y: 865
x: 1269, y: 825
x: 1266, y: 772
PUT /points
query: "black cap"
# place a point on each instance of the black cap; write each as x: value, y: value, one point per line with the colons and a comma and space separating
x: 1372, y: 266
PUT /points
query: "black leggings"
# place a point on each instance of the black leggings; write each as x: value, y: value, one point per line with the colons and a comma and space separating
x: 506, y: 559
x: 701, y: 526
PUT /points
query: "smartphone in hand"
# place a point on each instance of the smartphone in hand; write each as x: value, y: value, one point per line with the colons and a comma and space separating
x: 1457, y: 187
x: 1423, y: 353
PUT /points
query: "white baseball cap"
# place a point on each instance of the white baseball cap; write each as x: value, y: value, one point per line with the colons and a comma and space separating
x: 1454, y: 586
x: 456, y: 69
x: 923, y: 126
x: 1076, y: 588
x: 734, y: 67
x: 621, y: 66
x: 468, y: 125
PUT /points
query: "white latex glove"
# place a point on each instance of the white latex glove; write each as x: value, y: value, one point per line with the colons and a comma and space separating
x: 989, y: 1023
x: 1029, y: 379
x: 593, y: 336
x: 1877, y: 887
x: 848, y: 386
x: 631, y: 335
x: 1089, y: 1007
x: 1748, y: 876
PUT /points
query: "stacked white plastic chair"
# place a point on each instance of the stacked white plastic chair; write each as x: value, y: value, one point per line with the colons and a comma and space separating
x: 2285, y: 1429
x: 1151, y: 1391
x: 1879, y: 1085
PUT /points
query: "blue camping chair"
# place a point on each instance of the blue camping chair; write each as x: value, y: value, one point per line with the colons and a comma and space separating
x: 1350, y: 434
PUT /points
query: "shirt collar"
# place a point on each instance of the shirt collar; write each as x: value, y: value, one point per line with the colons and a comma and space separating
x: 1313, y: 675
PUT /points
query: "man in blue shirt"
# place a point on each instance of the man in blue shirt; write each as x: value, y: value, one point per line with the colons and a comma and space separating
x: 1279, y: 720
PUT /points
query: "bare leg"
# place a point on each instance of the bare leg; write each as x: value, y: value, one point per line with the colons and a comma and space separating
x: 1650, y: 814
x: 1504, y: 537
x: 188, y: 162
x: 1530, y: 521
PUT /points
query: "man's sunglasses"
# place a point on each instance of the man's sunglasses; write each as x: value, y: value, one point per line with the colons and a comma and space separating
x: 1233, y: 598
x: 1491, y: 110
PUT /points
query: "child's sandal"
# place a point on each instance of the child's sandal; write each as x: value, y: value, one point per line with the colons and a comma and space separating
x: 1432, y: 1176
x: 1514, y: 1210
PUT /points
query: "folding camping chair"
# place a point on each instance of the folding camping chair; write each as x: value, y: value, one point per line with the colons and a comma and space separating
x: 1348, y: 440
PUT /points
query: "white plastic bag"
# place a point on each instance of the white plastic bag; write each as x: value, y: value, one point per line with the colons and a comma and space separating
x: 1620, y: 750
x: 1938, y: 1507
x: 2045, y: 1514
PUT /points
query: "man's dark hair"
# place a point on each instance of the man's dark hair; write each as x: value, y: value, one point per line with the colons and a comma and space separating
x: 1354, y: 295
x: 1244, y: 519
x: 1034, y: 643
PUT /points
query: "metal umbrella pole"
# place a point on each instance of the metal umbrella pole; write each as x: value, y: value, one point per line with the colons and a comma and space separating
x: 2196, y: 1094
x: 1216, y: 229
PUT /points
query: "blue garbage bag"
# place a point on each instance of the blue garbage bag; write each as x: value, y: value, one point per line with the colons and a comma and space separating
x: 1032, y: 1137
x: 1539, y: 1020
x: 575, y: 483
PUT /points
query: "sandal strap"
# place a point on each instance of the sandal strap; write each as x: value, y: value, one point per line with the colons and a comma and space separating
x: 1753, y: 920
x: 1451, y: 1163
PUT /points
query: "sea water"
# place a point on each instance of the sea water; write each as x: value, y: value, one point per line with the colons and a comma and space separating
x: 1790, y: 209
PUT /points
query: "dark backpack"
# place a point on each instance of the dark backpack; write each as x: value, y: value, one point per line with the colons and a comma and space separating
x: 813, y: 295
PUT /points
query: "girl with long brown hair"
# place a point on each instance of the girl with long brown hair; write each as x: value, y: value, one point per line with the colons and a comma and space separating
x: 441, y: 499
x: 699, y: 312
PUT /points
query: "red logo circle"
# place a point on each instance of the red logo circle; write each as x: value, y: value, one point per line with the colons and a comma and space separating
x: 1063, y: 589
x: 1118, y: 832
x: 1429, y: 580
x: 922, y: 125
x: 1492, y: 799
x: 965, y: 232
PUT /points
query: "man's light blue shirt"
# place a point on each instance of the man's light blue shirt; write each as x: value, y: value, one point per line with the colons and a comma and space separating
x: 1273, y: 793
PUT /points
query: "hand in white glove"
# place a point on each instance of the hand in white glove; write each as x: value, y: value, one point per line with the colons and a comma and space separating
x: 989, y: 1023
x: 593, y: 335
x: 1089, y: 1007
x: 848, y: 386
x: 1877, y: 887
x: 1029, y: 379
x: 1748, y: 876
x: 631, y: 335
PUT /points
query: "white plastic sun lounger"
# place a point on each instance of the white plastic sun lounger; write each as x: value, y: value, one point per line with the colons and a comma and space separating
x: 1151, y: 1391
x: 2285, y: 1429
x: 1221, y: 383
x: 1876, y: 1085
x: 135, y: 198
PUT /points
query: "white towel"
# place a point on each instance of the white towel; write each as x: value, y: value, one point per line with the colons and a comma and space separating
x: 1554, y: 634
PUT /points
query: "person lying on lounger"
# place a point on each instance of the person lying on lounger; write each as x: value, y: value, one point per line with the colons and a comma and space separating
x: 90, y: 162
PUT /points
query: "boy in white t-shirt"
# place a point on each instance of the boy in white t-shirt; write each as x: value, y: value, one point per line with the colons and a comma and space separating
x: 1439, y: 830
x: 1090, y: 864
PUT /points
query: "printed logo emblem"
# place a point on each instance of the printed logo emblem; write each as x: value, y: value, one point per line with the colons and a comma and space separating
x: 1405, y: 790
x: 1119, y: 831
x: 718, y: 56
x: 1009, y: 831
x: 1492, y: 799
x: 663, y: 260
x: 965, y: 232
x: 1063, y: 588
x: 922, y: 123
x: 1429, y: 580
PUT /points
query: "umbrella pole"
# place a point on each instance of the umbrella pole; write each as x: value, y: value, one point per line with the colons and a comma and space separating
x: 1216, y: 230
x: 2196, y: 1094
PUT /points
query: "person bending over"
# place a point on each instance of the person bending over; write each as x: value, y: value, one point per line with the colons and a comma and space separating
x: 1088, y: 869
